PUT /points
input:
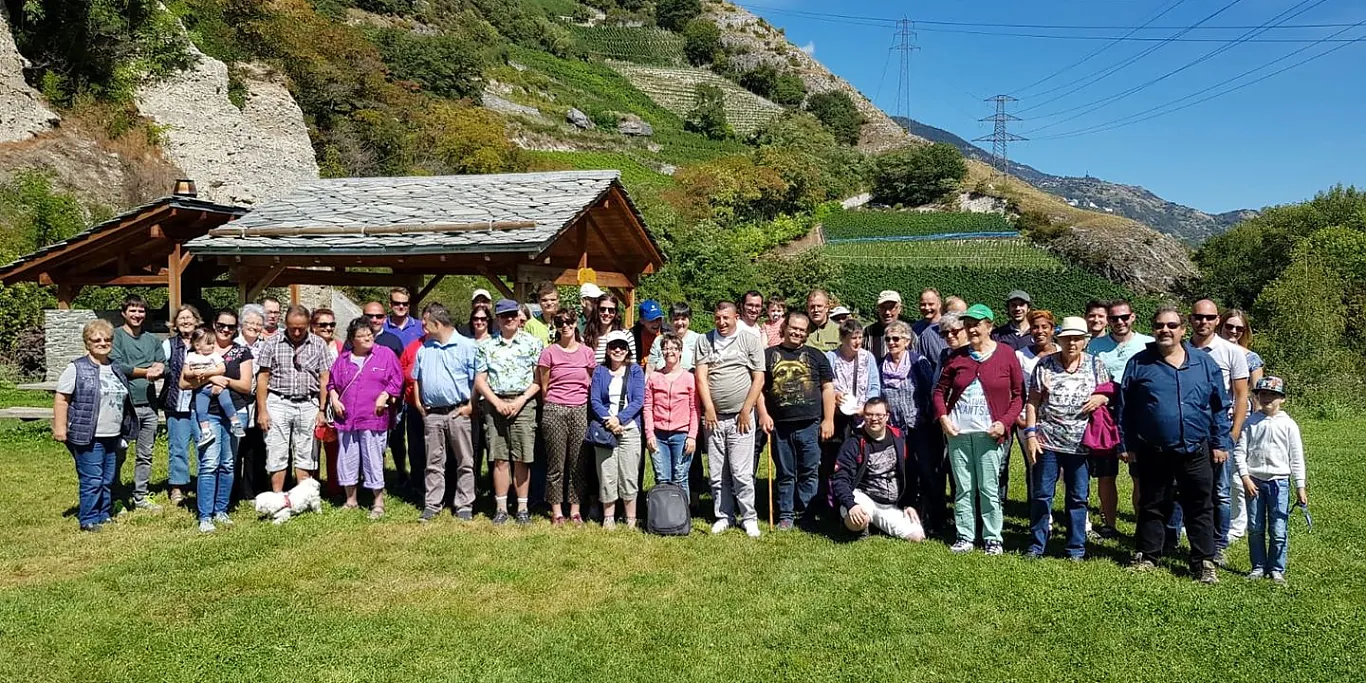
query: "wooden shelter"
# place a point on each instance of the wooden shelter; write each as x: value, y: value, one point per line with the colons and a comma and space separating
x: 515, y: 229
x: 144, y: 246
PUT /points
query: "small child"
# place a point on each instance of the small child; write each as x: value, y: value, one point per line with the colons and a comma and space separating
x: 199, y: 366
x: 1270, y: 454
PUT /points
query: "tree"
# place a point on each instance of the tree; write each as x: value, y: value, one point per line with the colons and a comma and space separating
x: 708, y: 115
x: 789, y: 90
x: 444, y: 65
x: 919, y: 175
x: 675, y: 14
x: 701, y: 42
x: 761, y: 80
x: 836, y: 110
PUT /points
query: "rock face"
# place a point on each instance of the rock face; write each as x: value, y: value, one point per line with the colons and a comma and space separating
x: 22, y: 112
x: 236, y: 156
x: 633, y: 125
x: 503, y: 106
x: 756, y: 42
x: 1133, y: 255
x: 579, y: 119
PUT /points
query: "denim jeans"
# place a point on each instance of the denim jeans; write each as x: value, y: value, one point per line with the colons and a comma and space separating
x: 215, y: 471
x: 1076, y: 479
x: 1270, y: 509
x: 670, y: 462
x: 1223, y: 501
x: 181, y: 431
x: 96, y: 468
x: 797, y: 453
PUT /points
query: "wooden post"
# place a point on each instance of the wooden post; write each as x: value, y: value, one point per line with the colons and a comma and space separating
x: 420, y: 294
x: 67, y: 294
x: 294, y: 295
x: 176, y: 262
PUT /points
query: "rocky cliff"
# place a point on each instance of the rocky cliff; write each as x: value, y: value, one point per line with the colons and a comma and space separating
x: 22, y: 112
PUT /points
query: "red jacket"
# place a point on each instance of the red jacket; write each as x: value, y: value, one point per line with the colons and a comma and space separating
x: 406, y: 362
x: 1001, y: 377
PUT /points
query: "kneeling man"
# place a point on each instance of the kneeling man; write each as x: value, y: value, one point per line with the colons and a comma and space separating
x: 870, y: 479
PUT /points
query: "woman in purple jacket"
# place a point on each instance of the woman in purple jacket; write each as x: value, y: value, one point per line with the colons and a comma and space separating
x: 979, y: 395
x: 362, y: 381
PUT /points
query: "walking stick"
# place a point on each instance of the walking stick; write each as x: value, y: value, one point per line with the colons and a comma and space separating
x: 770, y: 481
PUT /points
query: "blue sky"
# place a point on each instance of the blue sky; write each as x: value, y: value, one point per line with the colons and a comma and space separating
x: 1273, y: 142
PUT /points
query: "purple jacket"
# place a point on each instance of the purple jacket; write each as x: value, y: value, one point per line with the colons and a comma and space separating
x: 358, y: 393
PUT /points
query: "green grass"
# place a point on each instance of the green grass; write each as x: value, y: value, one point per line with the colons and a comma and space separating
x: 846, y: 224
x: 12, y: 396
x: 636, y: 44
x: 333, y: 597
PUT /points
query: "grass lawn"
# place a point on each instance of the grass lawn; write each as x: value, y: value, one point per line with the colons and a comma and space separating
x: 334, y: 597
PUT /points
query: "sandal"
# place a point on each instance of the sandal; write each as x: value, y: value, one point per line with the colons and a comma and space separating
x: 351, y: 506
x: 576, y: 519
x: 376, y: 512
x: 557, y: 520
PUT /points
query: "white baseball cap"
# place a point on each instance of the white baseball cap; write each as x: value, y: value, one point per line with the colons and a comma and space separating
x: 888, y: 295
x: 589, y: 290
x: 481, y: 292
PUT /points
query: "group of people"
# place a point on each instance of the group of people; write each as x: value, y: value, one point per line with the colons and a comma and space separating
x: 868, y: 425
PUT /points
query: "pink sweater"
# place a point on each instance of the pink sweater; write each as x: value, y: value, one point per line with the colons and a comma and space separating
x: 671, y: 403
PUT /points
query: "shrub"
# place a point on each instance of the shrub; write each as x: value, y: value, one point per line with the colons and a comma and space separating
x: 675, y: 14
x: 708, y: 115
x: 446, y: 66
x: 761, y: 80
x: 789, y: 90
x: 457, y: 138
x: 701, y: 42
x: 919, y: 175
x: 836, y: 110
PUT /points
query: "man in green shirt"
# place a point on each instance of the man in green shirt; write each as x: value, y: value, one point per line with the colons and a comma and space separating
x: 140, y: 352
x: 825, y: 333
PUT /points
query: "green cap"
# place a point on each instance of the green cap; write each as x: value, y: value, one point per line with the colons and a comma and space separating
x: 979, y: 312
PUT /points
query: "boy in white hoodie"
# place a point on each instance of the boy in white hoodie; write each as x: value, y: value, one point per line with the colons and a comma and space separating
x: 1268, y: 456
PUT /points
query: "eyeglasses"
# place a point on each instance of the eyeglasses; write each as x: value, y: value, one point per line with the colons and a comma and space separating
x: 375, y: 316
x: 327, y: 326
x: 871, y: 417
x: 1203, y: 317
x: 227, y: 327
x: 396, y: 304
x: 1120, y: 318
x: 1167, y: 326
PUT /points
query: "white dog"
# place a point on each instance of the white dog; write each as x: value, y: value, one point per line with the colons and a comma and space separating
x: 307, y: 495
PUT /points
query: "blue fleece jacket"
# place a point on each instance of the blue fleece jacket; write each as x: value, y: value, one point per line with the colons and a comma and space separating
x: 601, y: 400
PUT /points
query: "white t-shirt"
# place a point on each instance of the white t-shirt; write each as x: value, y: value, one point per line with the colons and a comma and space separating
x: 109, y: 412
x: 1028, y: 361
x: 971, y: 413
x: 756, y: 330
x: 1232, y: 360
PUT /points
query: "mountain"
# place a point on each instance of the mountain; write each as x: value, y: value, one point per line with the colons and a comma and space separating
x: 1131, y: 201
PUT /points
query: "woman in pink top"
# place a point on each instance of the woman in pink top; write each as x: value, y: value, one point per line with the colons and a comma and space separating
x: 362, y: 381
x: 565, y: 372
x: 671, y: 415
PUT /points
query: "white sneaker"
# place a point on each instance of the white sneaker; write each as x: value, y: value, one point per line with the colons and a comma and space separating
x: 752, y: 528
x: 720, y: 526
x: 206, y: 526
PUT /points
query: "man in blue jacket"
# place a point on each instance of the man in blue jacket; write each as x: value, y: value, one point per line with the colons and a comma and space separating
x: 1174, y: 427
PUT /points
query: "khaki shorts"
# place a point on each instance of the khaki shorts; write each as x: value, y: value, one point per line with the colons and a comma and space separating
x: 511, y: 438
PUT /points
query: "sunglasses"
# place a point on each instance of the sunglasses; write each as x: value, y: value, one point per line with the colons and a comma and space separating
x: 375, y: 316
x: 1167, y: 326
x: 613, y: 311
x: 480, y: 319
x: 950, y: 332
x: 396, y: 304
x: 618, y: 347
x: 225, y: 326
x: 1234, y: 328
x: 1203, y: 317
x: 327, y: 326
x: 101, y: 340
x: 564, y: 323
x: 1120, y: 318
x: 895, y: 339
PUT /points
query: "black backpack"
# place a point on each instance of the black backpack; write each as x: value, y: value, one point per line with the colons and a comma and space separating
x: 667, y: 508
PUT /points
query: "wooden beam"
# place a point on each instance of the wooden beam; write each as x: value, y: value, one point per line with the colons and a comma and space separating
x: 628, y: 299
x: 569, y: 276
x: 294, y: 295
x: 254, y: 289
x: 583, y: 244
x: 174, y: 269
x: 413, y: 264
x: 230, y: 231
x: 498, y: 283
x: 158, y: 280
x: 67, y: 293
x: 309, y: 276
x: 426, y: 289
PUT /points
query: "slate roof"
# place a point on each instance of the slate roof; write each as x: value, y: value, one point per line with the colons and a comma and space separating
x: 552, y: 200
x: 174, y: 201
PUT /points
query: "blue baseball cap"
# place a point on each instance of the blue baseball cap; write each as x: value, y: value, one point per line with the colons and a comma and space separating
x: 505, y: 306
x: 650, y: 310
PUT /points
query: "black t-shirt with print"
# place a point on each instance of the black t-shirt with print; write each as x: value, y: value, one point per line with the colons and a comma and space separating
x: 792, y: 383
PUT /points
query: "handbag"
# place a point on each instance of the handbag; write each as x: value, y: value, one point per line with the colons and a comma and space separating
x: 598, y: 434
x: 1102, y: 433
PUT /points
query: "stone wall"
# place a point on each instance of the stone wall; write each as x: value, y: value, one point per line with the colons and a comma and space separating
x: 62, y: 335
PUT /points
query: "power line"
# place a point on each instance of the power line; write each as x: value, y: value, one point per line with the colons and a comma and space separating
x: 1000, y: 136
x: 1095, y: 77
x: 925, y: 25
x: 1105, y: 102
x: 1094, y: 53
x: 1142, y: 116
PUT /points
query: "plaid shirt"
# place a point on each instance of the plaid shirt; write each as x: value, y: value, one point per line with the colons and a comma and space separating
x: 294, y: 372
